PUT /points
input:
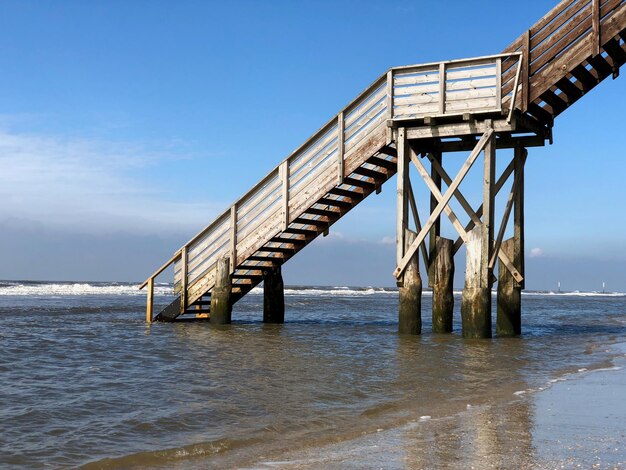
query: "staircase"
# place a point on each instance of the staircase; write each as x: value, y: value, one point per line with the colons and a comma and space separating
x: 561, y: 58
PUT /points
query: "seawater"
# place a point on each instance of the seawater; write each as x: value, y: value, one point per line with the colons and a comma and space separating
x: 84, y: 381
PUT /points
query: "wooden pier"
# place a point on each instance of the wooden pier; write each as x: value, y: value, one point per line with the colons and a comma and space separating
x: 413, y: 116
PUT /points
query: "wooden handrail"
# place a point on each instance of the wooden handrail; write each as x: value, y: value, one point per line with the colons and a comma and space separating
x: 173, y: 259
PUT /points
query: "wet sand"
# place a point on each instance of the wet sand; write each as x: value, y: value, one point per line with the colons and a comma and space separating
x: 576, y: 421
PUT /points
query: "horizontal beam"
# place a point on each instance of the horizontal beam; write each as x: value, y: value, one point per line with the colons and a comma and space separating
x: 502, y: 142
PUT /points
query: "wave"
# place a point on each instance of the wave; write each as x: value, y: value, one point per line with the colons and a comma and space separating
x: 29, y: 288
x: 575, y: 294
x: 77, y: 289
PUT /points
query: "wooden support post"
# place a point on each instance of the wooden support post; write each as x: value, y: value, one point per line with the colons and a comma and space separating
x: 435, y: 230
x: 402, y: 206
x: 443, y: 276
x: 509, y: 311
x: 518, y: 212
x: 476, y: 300
x: 410, y: 307
x: 150, y: 301
x: 221, y: 305
x: 184, y: 279
x: 273, y: 296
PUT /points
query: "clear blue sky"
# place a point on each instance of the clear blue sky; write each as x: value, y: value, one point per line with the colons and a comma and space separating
x: 125, y: 126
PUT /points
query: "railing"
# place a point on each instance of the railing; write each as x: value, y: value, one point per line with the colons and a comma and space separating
x: 439, y: 89
x: 571, y: 32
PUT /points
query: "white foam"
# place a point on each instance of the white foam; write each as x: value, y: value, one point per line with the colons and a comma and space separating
x: 331, y: 292
x: 76, y: 289
x: 576, y: 294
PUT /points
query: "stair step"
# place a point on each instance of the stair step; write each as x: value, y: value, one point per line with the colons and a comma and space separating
x: 601, y: 65
x: 346, y: 193
x: 571, y: 90
x: 387, y: 164
x: 334, y: 202
x: 586, y: 78
x: 276, y: 249
x: 616, y: 52
x: 357, y: 182
x: 295, y: 241
x: 315, y: 222
x: 377, y: 175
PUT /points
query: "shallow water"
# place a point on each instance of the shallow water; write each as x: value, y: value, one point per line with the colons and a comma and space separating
x: 84, y: 381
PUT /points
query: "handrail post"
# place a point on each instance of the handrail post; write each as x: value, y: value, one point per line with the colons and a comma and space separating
x: 183, y: 276
x: 595, y: 30
x: 283, y: 173
x: 526, y: 72
x: 499, y: 82
x: 340, y: 146
x: 149, y: 303
x: 390, y: 94
x: 233, y: 237
x: 442, y: 88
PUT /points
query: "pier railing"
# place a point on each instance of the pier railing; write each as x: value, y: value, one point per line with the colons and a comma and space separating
x: 435, y: 90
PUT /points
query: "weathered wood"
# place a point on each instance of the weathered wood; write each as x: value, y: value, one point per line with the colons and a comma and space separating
x: 402, y: 206
x: 518, y: 212
x: 340, y: 147
x: 221, y: 306
x: 442, y: 284
x: 442, y: 88
x: 150, y: 300
x: 444, y: 202
x: 233, y: 238
x: 410, y: 292
x: 476, y: 299
x: 184, y: 279
x: 459, y: 129
x: 595, y: 28
x: 509, y: 300
x: 435, y: 160
x: 284, y: 178
x: 273, y: 296
x: 418, y: 223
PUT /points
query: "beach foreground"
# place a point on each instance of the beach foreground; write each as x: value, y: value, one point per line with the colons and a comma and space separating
x: 577, y: 421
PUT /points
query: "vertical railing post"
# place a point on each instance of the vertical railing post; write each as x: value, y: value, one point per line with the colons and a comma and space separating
x: 499, y: 83
x: 233, y: 237
x: 442, y: 88
x: 183, y: 279
x: 595, y: 30
x: 340, y: 146
x: 150, y: 304
x: 390, y: 94
x: 526, y: 71
x: 283, y: 173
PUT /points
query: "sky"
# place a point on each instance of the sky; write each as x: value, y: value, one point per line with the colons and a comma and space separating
x: 127, y: 126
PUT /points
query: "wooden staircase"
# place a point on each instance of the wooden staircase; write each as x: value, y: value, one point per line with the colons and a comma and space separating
x: 555, y: 63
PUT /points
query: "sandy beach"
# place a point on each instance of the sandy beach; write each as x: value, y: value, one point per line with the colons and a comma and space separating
x: 576, y: 421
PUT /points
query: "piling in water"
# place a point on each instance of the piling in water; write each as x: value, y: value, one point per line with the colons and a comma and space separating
x: 410, y: 308
x: 509, y: 311
x: 476, y: 300
x: 443, y: 274
x: 221, y: 305
x: 273, y: 296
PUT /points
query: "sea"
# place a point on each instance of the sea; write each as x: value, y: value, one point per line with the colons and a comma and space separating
x: 85, y: 382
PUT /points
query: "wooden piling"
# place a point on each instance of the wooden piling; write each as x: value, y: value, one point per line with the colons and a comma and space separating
x: 509, y: 311
x: 476, y: 300
x: 273, y: 296
x: 410, y: 308
x: 442, y: 279
x: 221, y: 305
